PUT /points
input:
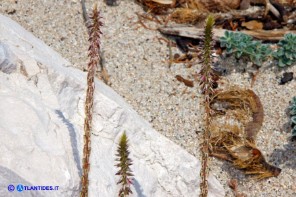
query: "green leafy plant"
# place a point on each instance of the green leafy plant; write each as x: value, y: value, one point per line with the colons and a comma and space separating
x: 240, y: 44
x: 124, y: 163
x: 292, y: 110
x: 286, y: 53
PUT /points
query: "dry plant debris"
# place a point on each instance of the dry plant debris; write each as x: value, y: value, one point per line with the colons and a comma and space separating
x: 233, y: 136
x: 184, y: 11
x: 186, y: 15
x: 228, y: 14
x: 187, y: 82
x: 234, y: 186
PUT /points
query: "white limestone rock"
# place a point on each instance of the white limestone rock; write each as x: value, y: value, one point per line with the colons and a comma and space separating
x: 41, y: 129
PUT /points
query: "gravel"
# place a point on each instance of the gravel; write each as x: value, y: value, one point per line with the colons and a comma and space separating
x: 138, y: 65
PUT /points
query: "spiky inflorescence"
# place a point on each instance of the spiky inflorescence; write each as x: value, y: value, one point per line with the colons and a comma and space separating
x: 94, y: 49
x: 124, y: 165
x: 206, y: 85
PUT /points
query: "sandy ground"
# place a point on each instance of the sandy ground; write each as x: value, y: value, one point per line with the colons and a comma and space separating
x: 137, y: 63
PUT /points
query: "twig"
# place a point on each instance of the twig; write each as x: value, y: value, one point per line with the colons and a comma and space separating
x: 234, y: 185
x: 254, y: 77
x: 170, y: 54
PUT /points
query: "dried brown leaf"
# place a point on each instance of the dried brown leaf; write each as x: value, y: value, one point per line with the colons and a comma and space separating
x: 187, y: 82
x: 253, y: 25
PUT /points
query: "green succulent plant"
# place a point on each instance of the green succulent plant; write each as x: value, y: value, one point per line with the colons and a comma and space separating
x: 292, y: 110
x: 240, y: 44
x: 286, y: 53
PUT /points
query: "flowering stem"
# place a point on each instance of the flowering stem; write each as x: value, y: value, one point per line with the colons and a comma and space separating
x: 206, y: 83
x: 94, y: 49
